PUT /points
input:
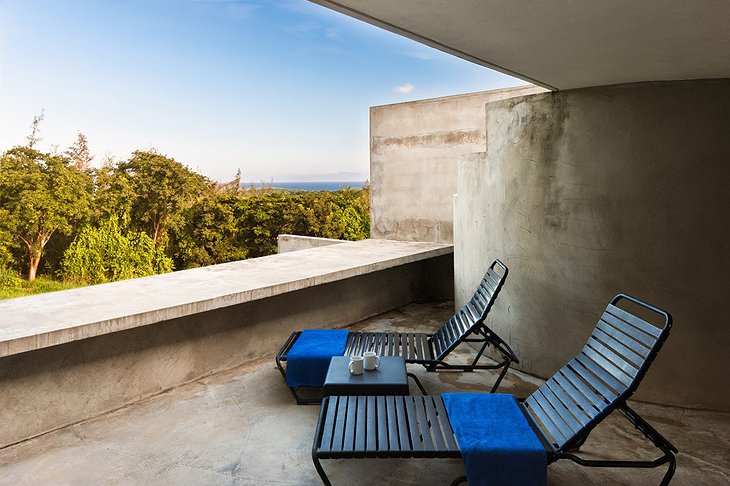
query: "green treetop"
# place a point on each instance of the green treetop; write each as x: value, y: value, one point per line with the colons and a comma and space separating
x: 40, y: 194
x: 162, y: 188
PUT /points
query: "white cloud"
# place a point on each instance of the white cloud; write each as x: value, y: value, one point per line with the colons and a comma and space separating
x: 422, y: 55
x: 232, y: 9
x: 332, y: 34
x: 240, y: 11
x: 404, y: 88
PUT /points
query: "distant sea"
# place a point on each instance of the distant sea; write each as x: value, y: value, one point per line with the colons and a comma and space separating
x: 312, y: 186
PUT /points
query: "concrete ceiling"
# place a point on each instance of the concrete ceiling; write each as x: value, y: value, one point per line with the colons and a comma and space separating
x: 565, y: 44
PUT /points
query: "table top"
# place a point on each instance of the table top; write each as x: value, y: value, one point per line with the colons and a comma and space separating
x: 392, y: 371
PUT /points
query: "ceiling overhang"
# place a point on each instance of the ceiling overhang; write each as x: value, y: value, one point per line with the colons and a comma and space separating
x: 566, y: 44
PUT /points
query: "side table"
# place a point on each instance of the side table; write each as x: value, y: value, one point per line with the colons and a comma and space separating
x: 390, y: 378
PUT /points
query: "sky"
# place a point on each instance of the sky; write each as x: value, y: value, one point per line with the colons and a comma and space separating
x: 278, y: 89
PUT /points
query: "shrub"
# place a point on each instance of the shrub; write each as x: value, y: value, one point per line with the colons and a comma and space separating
x: 105, y: 253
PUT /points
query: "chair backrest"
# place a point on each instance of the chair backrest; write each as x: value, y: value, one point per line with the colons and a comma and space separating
x: 607, y: 371
x: 473, y: 313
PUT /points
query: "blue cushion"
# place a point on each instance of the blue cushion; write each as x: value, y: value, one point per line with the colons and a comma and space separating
x: 307, y: 361
x: 498, y: 445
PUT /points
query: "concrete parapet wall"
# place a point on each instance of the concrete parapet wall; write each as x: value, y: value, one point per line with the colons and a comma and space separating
x: 55, y: 385
x: 592, y: 192
x: 414, y: 149
x: 288, y: 243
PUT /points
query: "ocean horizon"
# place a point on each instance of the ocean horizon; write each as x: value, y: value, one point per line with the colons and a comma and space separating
x: 311, y: 186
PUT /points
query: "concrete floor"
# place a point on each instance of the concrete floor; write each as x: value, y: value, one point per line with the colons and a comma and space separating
x: 242, y: 427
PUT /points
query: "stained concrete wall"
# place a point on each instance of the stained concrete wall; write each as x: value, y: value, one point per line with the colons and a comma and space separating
x: 55, y: 386
x: 414, y: 149
x: 592, y: 192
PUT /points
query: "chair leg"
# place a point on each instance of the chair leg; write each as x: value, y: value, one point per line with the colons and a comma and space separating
x: 281, y: 354
x: 670, y: 471
x: 459, y: 480
x: 281, y: 368
x: 418, y: 382
x: 505, y: 367
x: 320, y: 471
x: 479, y: 354
x: 304, y: 401
x: 668, y: 457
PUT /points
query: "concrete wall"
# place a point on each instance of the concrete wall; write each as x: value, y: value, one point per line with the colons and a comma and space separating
x: 414, y: 148
x: 288, y: 243
x: 55, y: 386
x: 588, y: 193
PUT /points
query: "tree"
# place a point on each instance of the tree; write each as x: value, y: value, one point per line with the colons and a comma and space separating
x: 35, y: 132
x: 113, y: 194
x: 162, y: 188
x: 233, y: 187
x: 209, y: 233
x: 79, y: 153
x: 40, y: 194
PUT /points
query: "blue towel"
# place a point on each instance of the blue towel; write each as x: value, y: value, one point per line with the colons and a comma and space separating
x: 497, y: 442
x: 307, y: 361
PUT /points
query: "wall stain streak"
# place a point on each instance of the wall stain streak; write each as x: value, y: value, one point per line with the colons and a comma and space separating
x: 432, y: 139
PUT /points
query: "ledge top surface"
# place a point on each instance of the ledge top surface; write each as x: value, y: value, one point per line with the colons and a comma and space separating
x: 39, y: 321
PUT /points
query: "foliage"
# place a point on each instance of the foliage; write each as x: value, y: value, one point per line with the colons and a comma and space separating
x: 40, y: 194
x: 104, y: 253
x: 162, y: 188
x: 209, y: 233
x: 34, y: 137
x: 38, y: 286
x: 143, y: 216
x: 339, y: 214
x: 224, y: 227
x: 10, y: 279
x: 79, y: 153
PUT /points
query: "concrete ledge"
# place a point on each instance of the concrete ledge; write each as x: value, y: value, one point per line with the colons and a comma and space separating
x: 40, y: 321
x: 100, y: 348
x: 289, y: 243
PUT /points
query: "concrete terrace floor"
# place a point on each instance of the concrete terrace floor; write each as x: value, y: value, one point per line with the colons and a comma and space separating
x: 242, y: 427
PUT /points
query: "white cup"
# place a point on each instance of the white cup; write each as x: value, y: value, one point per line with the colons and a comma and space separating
x: 355, y: 365
x: 371, y: 361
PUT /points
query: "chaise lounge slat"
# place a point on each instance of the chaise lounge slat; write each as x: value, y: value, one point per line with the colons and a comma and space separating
x: 636, y: 322
x: 383, y: 442
x: 590, y: 355
x: 619, y: 361
x: 579, y: 390
x: 626, y: 328
x: 629, y: 352
x: 551, y: 422
x: 604, y: 393
x: 573, y: 399
x: 564, y: 406
x: 561, y: 412
x: 601, y: 373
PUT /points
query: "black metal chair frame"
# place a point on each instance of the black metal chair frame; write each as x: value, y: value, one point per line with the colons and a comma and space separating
x: 431, y: 350
x: 562, y: 412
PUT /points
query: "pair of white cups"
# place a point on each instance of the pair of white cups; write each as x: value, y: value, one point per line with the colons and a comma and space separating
x: 368, y: 361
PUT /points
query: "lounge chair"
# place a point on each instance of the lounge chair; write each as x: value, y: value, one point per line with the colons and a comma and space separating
x: 558, y: 416
x: 431, y: 350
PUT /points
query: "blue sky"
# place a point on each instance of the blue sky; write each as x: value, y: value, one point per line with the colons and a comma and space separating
x: 279, y: 89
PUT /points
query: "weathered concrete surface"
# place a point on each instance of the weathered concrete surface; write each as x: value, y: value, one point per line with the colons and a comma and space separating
x: 414, y: 149
x: 242, y: 427
x: 59, y: 385
x: 588, y: 193
x: 289, y: 243
x: 40, y: 321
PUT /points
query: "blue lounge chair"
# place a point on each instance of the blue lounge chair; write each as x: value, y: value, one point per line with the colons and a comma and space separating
x: 549, y: 425
x: 429, y: 350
